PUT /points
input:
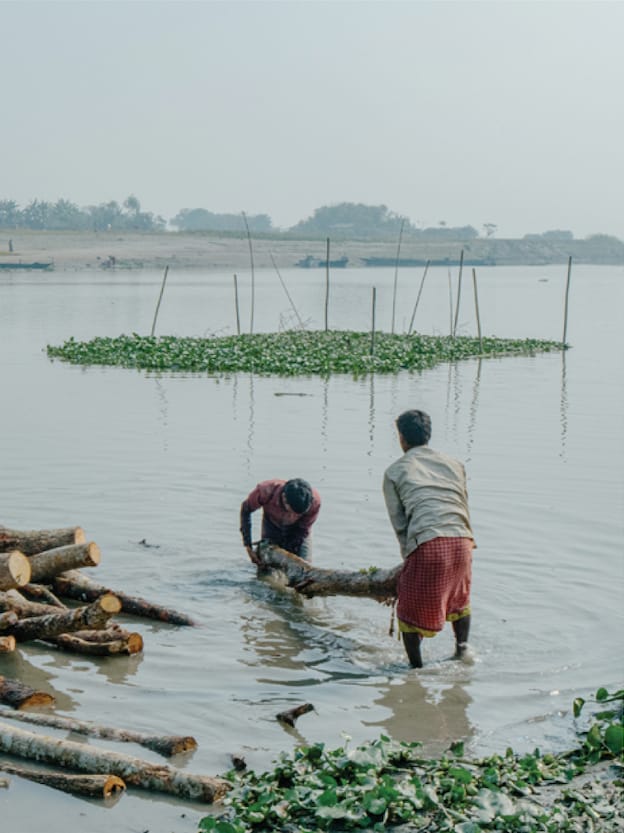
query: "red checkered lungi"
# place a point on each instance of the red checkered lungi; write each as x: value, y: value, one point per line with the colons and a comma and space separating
x: 434, y: 585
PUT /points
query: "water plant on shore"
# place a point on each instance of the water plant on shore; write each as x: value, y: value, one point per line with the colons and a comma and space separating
x: 291, y: 353
x: 386, y: 784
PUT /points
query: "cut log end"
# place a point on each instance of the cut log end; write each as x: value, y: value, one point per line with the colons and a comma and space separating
x: 79, y: 536
x: 36, y: 700
x: 7, y: 644
x: 113, y: 785
x: 109, y: 603
x: 183, y: 744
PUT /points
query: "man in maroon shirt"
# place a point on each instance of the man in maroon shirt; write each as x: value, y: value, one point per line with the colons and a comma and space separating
x: 289, y: 508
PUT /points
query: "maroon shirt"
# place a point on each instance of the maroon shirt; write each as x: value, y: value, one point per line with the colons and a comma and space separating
x: 280, y: 526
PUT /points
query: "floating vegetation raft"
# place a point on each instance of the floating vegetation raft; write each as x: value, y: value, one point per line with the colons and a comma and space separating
x: 291, y: 353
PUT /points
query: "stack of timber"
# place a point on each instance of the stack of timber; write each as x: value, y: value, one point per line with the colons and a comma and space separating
x: 39, y: 571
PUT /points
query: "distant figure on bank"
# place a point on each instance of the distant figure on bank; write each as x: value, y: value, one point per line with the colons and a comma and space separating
x: 290, y: 507
x: 427, y: 502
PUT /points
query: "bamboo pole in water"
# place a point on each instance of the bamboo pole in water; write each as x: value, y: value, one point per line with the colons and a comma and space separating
x: 253, y: 276
x: 327, y: 286
x: 420, y: 289
x: 396, y: 274
x: 567, y: 294
x: 476, y: 299
x: 459, y: 282
x: 450, y: 289
x: 236, y: 305
x: 374, y: 305
x: 285, y: 288
x: 162, y: 289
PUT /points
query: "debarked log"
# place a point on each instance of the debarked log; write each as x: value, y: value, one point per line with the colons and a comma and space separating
x: 50, y: 563
x: 375, y: 583
x: 104, y: 643
x: 134, y: 771
x: 38, y: 540
x: 74, y: 585
x: 15, y: 569
x: 166, y: 745
x: 21, y: 696
x: 93, y: 616
x: 91, y: 786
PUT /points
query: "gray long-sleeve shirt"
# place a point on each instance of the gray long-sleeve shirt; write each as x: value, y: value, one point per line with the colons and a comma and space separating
x: 426, y: 497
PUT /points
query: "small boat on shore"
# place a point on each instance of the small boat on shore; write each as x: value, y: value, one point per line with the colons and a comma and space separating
x: 19, y: 264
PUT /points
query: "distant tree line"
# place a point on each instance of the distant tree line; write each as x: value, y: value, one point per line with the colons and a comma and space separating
x: 64, y: 215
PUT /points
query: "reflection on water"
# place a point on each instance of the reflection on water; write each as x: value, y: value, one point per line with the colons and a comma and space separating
x: 564, y: 406
x: 474, y: 403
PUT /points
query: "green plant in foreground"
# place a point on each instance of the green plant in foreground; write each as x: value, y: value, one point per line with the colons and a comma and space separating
x: 290, y: 353
x: 386, y: 783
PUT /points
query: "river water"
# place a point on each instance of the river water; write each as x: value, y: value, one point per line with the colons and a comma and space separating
x: 154, y: 468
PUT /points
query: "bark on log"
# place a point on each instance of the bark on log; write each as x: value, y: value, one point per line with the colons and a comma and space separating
x: 74, y: 585
x: 7, y: 644
x: 91, y: 786
x: 20, y: 696
x: 93, y: 616
x: 25, y: 609
x: 38, y: 540
x: 134, y: 771
x: 167, y: 745
x: 377, y: 584
x: 108, y: 642
x: 41, y: 594
x: 14, y: 569
x: 7, y: 619
x: 50, y: 563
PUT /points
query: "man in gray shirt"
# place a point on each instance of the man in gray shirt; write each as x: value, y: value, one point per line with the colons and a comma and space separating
x: 427, y: 502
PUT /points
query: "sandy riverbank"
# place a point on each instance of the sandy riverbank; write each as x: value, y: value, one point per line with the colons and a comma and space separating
x: 128, y: 250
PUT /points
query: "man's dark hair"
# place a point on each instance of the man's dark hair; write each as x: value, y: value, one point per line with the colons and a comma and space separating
x: 298, y: 493
x: 414, y: 427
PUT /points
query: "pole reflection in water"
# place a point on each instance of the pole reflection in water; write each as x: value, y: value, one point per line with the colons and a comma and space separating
x: 563, y: 407
x: 473, y: 410
x: 163, y: 410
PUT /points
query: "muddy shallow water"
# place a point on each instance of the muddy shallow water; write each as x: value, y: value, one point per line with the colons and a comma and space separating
x: 166, y: 460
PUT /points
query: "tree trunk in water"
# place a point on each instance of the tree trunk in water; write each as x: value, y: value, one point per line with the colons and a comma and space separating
x: 38, y: 540
x: 7, y: 644
x: 20, y: 696
x: 74, y: 585
x: 103, y: 643
x: 50, y: 563
x: 374, y: 583
x: 93, y: 616
x: 167, y: 745
x: 91, y: 786
x: 290, y: 715
x: 134, y: 771
x: 14, y: 570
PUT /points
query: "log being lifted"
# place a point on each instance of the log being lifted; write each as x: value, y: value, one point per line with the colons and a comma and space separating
x: 50, y: 563
x: 15, y: 569
x: 93, y: 616
x: 91, y: 786
x: 38, y: 540
x: 375, y: 583
x: 134, y: 771
x: 20, y: 696
x: 166, y: 745
x: 74, y: 585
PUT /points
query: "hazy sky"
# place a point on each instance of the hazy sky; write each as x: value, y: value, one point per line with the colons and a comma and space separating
x: 464, y: 112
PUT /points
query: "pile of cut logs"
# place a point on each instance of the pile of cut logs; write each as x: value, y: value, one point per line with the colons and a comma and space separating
x: 39, y: 569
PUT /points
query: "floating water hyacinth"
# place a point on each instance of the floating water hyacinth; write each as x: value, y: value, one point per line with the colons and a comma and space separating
x: 291, y: 353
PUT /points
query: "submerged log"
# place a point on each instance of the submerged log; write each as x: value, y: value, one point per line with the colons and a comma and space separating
x: 74, y: 585
x: 290, y: 715
x: 50, y: 563
x: 7, y: 644
x: 91, y: 786
x: 14, y: 569
x: 167, y: 745
x: 95, y: 615
x: 38, y: 540
x: 374, y: 583
x: 134, y: 771
x: 99, y: 643
x: 20, y: 696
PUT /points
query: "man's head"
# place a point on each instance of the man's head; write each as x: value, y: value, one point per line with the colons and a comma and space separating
x: 298, y: 494
x: 414, y: 428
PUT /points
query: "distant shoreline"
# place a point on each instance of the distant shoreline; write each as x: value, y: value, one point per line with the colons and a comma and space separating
x: 70, y: 251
